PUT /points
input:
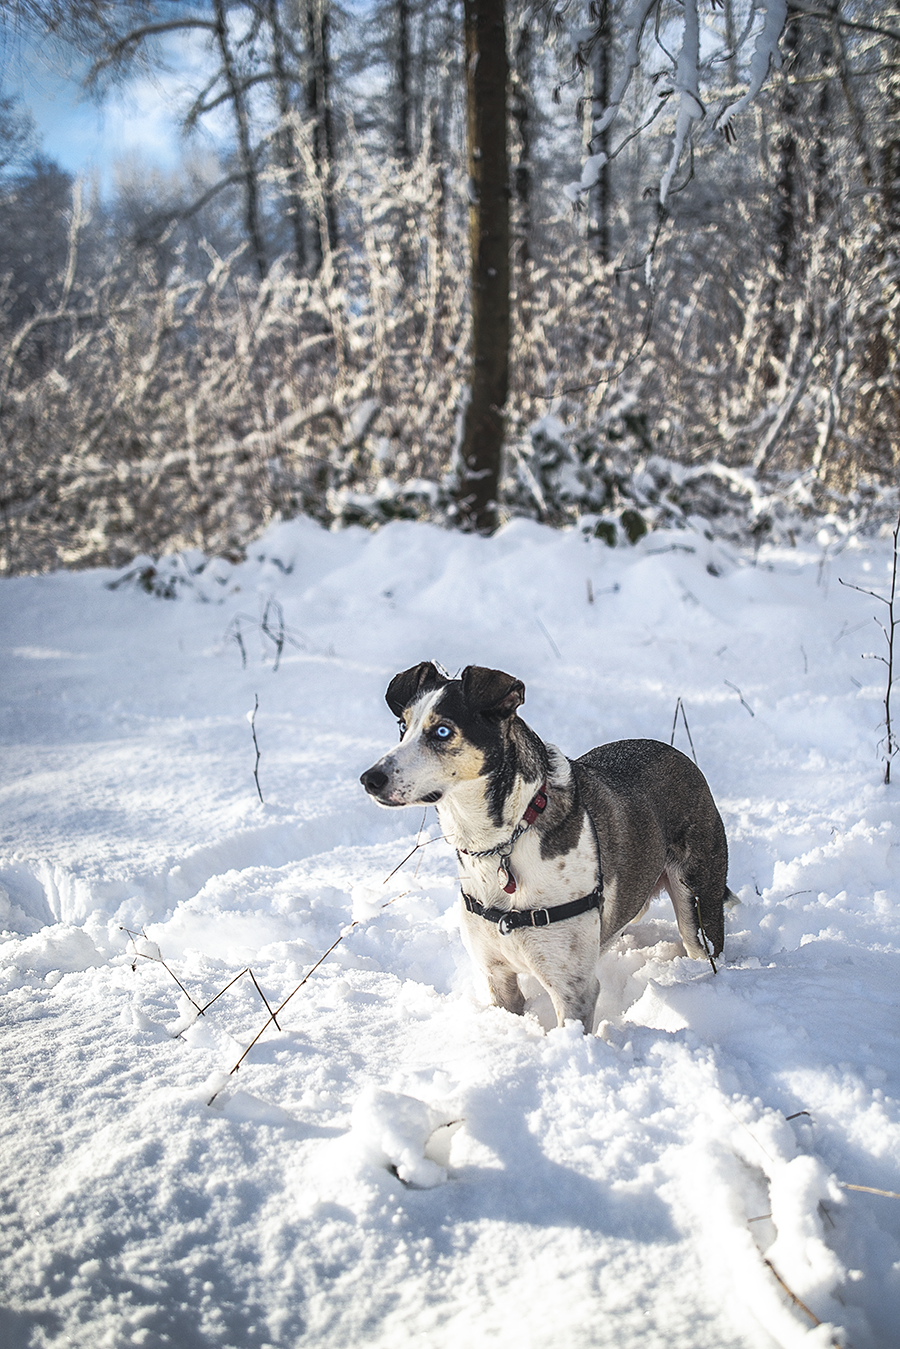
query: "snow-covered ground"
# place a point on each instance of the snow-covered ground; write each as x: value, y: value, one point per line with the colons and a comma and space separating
x: 400, y: 1163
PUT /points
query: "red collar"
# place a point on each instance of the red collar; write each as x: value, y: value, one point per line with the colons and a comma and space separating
x: 536, y: 806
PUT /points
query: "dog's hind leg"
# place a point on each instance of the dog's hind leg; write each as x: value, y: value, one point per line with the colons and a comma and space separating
x: 688, y: 915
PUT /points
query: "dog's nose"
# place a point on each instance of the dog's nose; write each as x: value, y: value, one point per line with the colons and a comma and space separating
x: 373, y: 780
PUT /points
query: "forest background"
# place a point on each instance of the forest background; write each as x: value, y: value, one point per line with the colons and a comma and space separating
x: 623, y: 263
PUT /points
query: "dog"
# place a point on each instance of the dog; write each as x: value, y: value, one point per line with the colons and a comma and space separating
x: 555, y: 855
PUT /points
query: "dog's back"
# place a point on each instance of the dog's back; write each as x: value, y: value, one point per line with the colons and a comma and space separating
x: 656, y: 824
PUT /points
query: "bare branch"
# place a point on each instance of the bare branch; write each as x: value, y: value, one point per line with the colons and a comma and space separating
x: 124, y: 46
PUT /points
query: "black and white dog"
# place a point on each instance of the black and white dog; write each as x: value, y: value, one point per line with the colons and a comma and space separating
x: 555, y: 855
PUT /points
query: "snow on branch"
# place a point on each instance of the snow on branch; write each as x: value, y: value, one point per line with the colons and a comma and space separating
x: 634, y: 25
x: 686, y: 77
x: 687, y: 86
x: 766, y: 57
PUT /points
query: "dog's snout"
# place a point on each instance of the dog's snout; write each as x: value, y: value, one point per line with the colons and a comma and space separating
x: 373, y: 780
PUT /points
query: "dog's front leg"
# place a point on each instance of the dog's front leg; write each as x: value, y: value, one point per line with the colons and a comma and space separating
x: 504, y: 988
x: 576, y: 1001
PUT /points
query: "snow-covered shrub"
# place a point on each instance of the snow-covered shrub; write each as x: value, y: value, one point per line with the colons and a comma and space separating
x: 153, y: 413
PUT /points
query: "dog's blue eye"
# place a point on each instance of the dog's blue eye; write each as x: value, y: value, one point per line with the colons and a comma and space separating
x: 402, y: 725
x: 442, y: 732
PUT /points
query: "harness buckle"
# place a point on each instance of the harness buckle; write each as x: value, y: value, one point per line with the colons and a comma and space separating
x: 540, y: 917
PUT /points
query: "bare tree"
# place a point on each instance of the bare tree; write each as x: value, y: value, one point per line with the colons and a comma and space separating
x: 237, y: 93
x: 286, y: 149
x: 482, y: 436
x: 600, y: 68
x: 521, y: 110
x: 320, y: 112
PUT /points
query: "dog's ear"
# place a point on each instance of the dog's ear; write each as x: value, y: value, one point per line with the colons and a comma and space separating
x: 409, y: 685
x: 491, y: 691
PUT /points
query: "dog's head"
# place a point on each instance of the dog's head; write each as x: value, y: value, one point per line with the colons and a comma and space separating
x: 452, y: 731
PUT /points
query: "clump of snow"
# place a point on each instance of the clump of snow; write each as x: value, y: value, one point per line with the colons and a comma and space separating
x: 405, y: 1135
x: 396, y: 1162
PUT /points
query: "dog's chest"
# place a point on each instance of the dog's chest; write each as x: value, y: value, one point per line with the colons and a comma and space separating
x: 539, y: 880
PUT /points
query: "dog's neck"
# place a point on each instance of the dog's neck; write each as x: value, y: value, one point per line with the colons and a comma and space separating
x: 484, y: 812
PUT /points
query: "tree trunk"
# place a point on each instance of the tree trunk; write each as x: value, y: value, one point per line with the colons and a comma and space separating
x: 599, y: 199
x: 284, y: 143
x: 883, y: 344
x: 482, y: 437
x: 522, y: 179
x: 403, y: 72
x: 787, y: 227
x: 318, y: 107
x: 403, y: 137
x: 246, y: 160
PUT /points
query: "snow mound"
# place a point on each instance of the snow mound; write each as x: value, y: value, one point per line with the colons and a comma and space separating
x: 405, y: 1135
x: 677, y: 1181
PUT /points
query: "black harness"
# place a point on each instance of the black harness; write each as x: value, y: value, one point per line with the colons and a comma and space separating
x: 508, y: 920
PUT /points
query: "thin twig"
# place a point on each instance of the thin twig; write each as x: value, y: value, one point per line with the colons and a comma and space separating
x: 679, y: 707
x: 278, y: 635
x: 703, y: 937
x: 413, y: 850
x: 322, y: 958
x: 263, y: 996
x: 869, y: 1189
x: 744, y: 702
x: 209, y: 1004
x: 256, y: 745
x: 247, y: 970
x: 158, y: 960
x: 792, y: 1295
x: 549, y: 638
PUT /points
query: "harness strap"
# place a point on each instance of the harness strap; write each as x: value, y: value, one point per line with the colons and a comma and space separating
x: 508, y: 920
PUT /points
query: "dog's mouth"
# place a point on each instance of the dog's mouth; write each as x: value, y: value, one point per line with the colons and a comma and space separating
x: 431, y: 798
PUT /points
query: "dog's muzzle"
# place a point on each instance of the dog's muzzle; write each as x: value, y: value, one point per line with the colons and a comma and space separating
x: 375, y: 781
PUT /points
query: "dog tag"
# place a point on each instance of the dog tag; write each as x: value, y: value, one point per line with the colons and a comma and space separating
x: 507, y: 880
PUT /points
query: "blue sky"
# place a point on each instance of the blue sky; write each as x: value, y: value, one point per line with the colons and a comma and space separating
x: 138, y: 121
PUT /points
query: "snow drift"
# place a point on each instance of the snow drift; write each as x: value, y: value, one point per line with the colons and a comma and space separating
x: 397, y: 1162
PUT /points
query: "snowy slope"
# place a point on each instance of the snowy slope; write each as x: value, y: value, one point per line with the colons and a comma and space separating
x: 618, y: 1190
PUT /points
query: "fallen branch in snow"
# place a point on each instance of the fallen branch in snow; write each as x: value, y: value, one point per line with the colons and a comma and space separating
x: 246, y: 970
x: 869, y: 1189
x: 325, y: 954
x: 156, y: 956
x: 794, y: 1298
x: 158, y: 960
x: 891, y: 742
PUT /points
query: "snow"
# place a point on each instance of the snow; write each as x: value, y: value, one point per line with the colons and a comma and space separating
x: 399, y: 1163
